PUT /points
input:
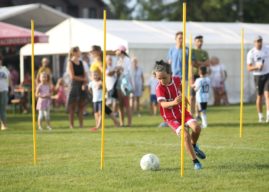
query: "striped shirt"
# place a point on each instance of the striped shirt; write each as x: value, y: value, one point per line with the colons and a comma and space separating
x: 169, y: 93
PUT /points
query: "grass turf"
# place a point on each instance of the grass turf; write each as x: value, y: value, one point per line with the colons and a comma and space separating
x: 69, y: 160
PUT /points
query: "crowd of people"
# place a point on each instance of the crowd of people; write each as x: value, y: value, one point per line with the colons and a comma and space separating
x: 82, y: 85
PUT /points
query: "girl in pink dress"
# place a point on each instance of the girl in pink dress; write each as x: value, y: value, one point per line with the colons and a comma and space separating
x: 60, y: 97
x: 43, y: 93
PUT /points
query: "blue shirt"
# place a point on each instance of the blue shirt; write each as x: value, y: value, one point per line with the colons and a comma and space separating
x: 175, y: 56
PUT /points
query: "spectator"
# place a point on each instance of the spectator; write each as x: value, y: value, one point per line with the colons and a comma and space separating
x: 218, y: 77
x: 43, y: 93
x: 44, y: 68
x: 95, y: 86
x: 201, y: 87
x: 138, y: 86
x: 153, y: 82
x: 60, y: 97
x: 96, y: 56
x: 258, y: 64
x: 5, y: 81
x: 77, y: 96
x: 111, y: 80
x: 14, y: 75
x: 124, y: 78
x: 201, y: 60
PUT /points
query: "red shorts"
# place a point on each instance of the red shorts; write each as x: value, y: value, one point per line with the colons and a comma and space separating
x: 176, y: 123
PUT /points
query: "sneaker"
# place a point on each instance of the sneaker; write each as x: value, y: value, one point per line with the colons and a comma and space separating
x: 49, y: 128
x: 197, y: 166
x: 267, y: 120
x: 204, y: 126
x: 198, y: 118
x: 199, y: 153
x: 163, y: 124
x: 261, y: 120
x: 40, y: 128
x: 3, y: 128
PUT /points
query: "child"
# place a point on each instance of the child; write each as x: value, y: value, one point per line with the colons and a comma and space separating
x: 202, y: 86
x: 60, y: 97
x: 168, y: 93
x: 95, y: 86
x: 153, y: 82
x: 43, y: 93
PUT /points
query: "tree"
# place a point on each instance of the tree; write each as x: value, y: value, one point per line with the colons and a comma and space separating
x: 120, y: 9
x: 205, y: 10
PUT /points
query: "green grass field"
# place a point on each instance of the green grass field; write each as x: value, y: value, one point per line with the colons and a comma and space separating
x: 69, y: 160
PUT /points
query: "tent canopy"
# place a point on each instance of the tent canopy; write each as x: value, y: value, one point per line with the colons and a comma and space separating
x: 142, y: 34
x: 44, y: 16
x: 13, y: 35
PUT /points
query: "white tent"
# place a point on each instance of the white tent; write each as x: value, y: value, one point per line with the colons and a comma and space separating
x: 149, y: 41
x: 44, y: 16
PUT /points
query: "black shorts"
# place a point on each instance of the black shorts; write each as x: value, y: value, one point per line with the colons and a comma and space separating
x: 261, y: 83
x: 202, y: 106
x: 193, y: 92
x: 97, y: 107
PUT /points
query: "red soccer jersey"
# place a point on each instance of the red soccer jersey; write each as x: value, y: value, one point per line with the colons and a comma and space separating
x: 169, y: 93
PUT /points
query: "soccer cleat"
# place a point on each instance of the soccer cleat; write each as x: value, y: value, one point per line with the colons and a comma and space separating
x: 49, y: 128
x: 163, y: 124
x: 199, y: 153
x: 3, y: 128
x: 40, y: 128
x: 197, y: 166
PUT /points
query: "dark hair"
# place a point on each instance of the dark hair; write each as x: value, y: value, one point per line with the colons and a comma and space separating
x: 199, y: 37
x: 1, y: 57
x: 178, y: 33
x: 161, y: 66
x: 203, y: 70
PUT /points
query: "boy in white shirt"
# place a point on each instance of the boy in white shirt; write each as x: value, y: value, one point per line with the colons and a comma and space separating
x: 202, y: 87
x: 95, y: 87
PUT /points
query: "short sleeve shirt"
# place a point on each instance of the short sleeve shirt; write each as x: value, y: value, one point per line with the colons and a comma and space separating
x: 255, y: 56
x: 169, y: 93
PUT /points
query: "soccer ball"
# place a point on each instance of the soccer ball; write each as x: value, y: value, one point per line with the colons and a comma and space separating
x: 150, y: 162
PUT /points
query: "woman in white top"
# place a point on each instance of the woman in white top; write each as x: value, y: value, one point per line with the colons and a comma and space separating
x: 124, y: 65
x: 5, y: 81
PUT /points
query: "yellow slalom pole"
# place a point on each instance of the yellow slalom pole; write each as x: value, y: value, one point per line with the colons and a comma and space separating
x: 242, y: 84
x: 103, y: 97
x: 183, y: 87
x: 189, y: 71
x: 33, y: 89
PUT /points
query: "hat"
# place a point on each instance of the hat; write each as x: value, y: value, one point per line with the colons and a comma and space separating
x: 122, y: 48
x: 258, y: 38
x: 95, y: 48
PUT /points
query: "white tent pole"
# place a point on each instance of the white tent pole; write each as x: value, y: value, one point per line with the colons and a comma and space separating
x: 21, y: 67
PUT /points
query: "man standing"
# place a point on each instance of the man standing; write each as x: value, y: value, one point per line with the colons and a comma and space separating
x: 201, y: 60
x: 258, y: 64
x: 175, y: 56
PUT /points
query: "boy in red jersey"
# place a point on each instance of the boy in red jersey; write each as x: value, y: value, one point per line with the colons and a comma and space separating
x: 168, y: 92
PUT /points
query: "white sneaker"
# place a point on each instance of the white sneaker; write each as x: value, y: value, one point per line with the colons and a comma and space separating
x: 267, y: 120
x: 261, y: 120
x: 3, y: 128
x: 204, y: 126
x: 49, y: 128
x: 40, y: 128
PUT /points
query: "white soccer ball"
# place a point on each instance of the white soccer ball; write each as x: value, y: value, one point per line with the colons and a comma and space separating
x: 150, y: 162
